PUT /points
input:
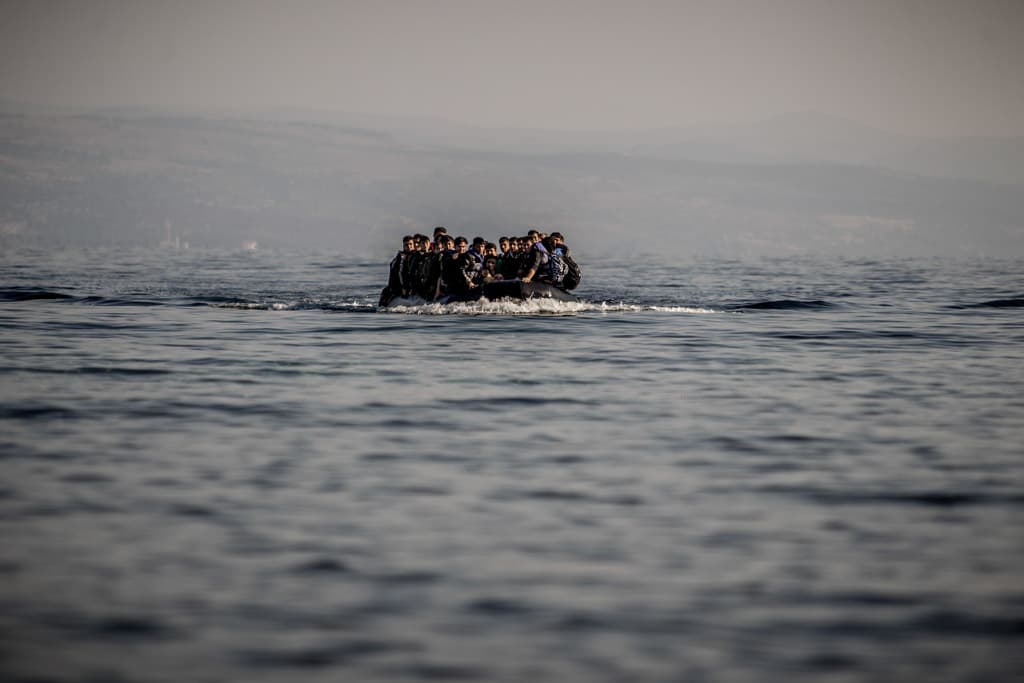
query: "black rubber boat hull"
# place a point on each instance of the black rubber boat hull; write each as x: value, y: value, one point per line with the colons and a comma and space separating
x: 492, y: 291
x: 513, y: 289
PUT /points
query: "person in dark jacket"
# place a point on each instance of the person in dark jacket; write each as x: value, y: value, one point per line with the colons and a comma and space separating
x: 489, y: 273
x: 458, y: 269
x: 477, y: 248
x: 396, y: 276
x: 438, y: 232
x: 398, y: 272
x: 563, y: 270
x: 410, y: 267
x: 432, y: 268
x: 508, y: 262
x: 425, y: 276
x: 536, y: 259
x: 554, y: 271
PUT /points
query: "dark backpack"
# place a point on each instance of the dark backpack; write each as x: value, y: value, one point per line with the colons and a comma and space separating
x: 573, y: 274
x: 557, y: 268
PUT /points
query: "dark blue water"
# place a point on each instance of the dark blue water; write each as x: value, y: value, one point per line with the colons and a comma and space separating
x: 227, y: 466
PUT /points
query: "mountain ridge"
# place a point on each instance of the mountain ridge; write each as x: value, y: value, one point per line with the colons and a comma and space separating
x: 124, y: 178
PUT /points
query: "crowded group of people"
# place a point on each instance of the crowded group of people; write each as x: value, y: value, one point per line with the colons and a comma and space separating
x: 432, y: 269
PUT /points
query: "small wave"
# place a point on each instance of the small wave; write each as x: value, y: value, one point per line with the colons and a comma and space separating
x: 108, y: 370
x: 215, y: 299
x: 782, y: 305
x: 332, y: 655
x: 1014, y: 302
x: 114, y: 301
x: 191, y: 510
x: 351, y: 306
x: 121, y: 627
x: 682, y: 309
x: 249, y: 306
x: 36, y: 411
x: 409, y: 577
x: 571, y: 496
x: 309, y: 305
x: 976, y: 624
x: 500, y: 607
x: 31, y: 295
x: 131, y: 627
x: 926, y: 498
x: 499, y: 402
x: 323, y: 565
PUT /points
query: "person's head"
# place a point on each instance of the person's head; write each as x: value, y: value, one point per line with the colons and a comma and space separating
x: 556, y: 239
x: 490, y: 249
x: 478, y: 244
x: 533, y: 235
x: 440, y: 230
x: 445, y: 243
x: 408, y: 243
x: 504, y: 243
x: 461, y: 244
x: 490, y: 263
x: 422, y: 242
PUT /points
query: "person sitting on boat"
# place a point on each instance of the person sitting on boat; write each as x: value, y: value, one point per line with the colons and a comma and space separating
x: 411, y: 266
x: 563, y: 270
x: 489, y: 273
x: 433, y: 284
x: 523, y: 245
x: 508, y: 262
x: 537, y: 258
x: 399, y: 268
x: 559, y: 242
x: 427, y: 270
x: 438, y: 231
x: 476, y: 249
x: 475, y: 252
x: 396, y: 286
x: 553, y: 272
x: 457, y: 269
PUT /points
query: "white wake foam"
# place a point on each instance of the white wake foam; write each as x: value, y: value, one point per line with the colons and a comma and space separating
x: 527, y: 307
x: 481, y: 307
x: 301, y: 305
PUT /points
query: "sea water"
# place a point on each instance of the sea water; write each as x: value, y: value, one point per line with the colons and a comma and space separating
x: 234, y: 467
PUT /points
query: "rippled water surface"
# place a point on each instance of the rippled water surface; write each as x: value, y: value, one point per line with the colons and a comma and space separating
x: 234, y: 467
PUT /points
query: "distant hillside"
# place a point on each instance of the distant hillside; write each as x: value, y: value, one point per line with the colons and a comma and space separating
x: 358, y: 183
x: 814, y: 138
x: 805, y: 137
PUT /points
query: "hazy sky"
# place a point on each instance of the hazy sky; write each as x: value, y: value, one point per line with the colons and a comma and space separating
x: 917, y: 66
